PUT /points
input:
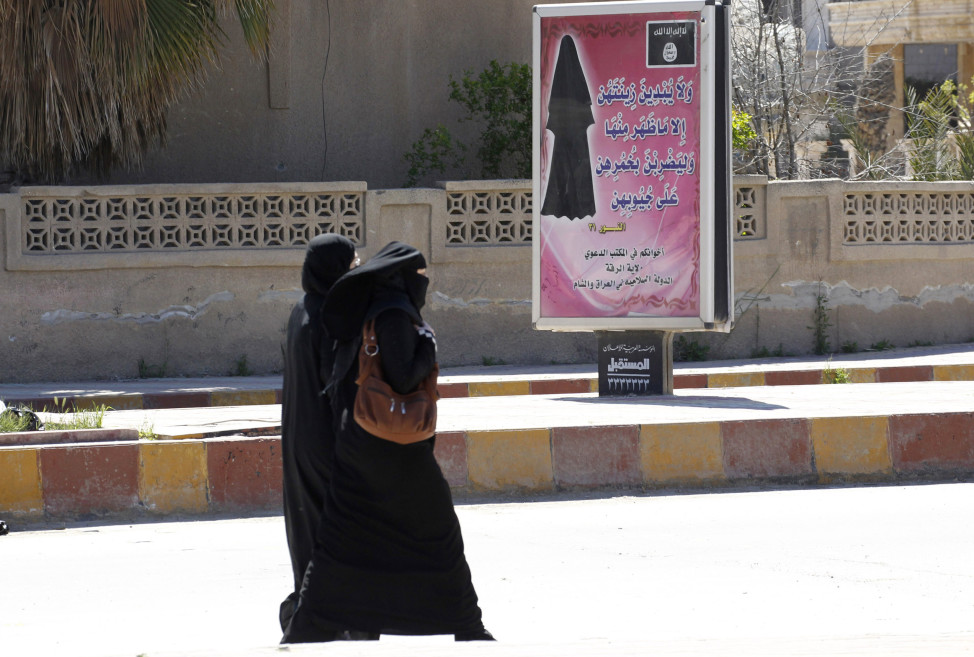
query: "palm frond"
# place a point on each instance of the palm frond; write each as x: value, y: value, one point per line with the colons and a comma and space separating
x: 89, y: 84
x: 254, y: 16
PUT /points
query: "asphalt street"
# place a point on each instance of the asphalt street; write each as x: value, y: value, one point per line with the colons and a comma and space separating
x: 859, y: 570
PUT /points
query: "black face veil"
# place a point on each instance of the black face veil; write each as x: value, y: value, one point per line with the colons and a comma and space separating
x: 570, y: 192
x: 389, y: 273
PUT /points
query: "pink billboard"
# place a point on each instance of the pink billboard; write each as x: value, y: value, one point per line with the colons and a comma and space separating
x: 621, y: 217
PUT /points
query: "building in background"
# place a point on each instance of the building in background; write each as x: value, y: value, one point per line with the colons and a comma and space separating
x: 929, y: 41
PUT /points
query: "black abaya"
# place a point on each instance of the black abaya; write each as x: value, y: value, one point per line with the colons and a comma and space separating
x: 307, y: 429
x: 307, y: 437
x: 389, y: 553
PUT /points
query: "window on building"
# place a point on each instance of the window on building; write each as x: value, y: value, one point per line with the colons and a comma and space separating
x: 927, y: 65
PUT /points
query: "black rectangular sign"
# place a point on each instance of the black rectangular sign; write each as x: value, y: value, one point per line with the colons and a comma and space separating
x: 631, y: 363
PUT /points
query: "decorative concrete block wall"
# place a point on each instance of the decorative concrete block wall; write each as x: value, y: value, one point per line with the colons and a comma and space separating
x: 123, y: 281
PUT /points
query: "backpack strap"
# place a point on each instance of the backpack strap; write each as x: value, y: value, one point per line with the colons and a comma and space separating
x: 369, y: 342
x: 369, y: 362
x: 368, y: 355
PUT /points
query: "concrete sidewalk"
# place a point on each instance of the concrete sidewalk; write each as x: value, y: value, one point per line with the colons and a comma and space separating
x: 941, y: 363
x: 526, y: 412
x: 501, y: 445
x: 877, y: 570
x: 226, y: 459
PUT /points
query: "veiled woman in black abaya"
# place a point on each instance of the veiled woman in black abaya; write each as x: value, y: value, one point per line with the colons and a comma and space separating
x: 307, y: 430
x: 389, y: 553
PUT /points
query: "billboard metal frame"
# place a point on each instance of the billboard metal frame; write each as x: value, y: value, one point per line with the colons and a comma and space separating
x: 715, y: 186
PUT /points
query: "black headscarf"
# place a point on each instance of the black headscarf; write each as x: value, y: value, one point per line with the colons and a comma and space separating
x: 328, y: 257
x: 389, y: 279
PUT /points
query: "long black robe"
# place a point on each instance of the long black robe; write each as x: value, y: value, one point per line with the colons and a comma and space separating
x: 570, y: 191
x: 307, y: 433
x: 307, y: 429
x: 389, y: 553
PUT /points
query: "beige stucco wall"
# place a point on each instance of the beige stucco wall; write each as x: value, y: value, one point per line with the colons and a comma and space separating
x: 902, y: 292
x: 97, y: 314
x: 91, y: 315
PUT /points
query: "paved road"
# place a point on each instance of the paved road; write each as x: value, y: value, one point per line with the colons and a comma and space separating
x: 863, y: 570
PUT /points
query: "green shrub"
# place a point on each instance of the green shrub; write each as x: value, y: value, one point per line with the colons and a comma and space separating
x: 742, y: 130
x: 436, y: 152
x: 689, y: 350
x: 147, y: 371
x: 928, y: 125
x: 820, y: 326
x: 241, y: 367
x: 836, y: 375
x: 764, y: 352
x: 71, y: 417
x: 13, y: 421
x: 498, y: 100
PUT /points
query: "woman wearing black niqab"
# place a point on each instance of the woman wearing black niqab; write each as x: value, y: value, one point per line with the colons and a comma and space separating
x: 307, y: 430
x: 389, y: 556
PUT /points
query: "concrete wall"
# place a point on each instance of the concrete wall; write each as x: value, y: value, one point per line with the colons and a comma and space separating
x: 89, y: 292
x: 887, y: 257
x: 191, y: 279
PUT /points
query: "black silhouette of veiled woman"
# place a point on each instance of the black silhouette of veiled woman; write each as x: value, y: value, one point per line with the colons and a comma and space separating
x: 570, y: 192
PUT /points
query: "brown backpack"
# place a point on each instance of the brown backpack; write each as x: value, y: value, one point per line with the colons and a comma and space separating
x: 382, y: 411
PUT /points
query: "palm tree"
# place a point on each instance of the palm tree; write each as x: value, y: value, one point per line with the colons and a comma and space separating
x: 87, y: 84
